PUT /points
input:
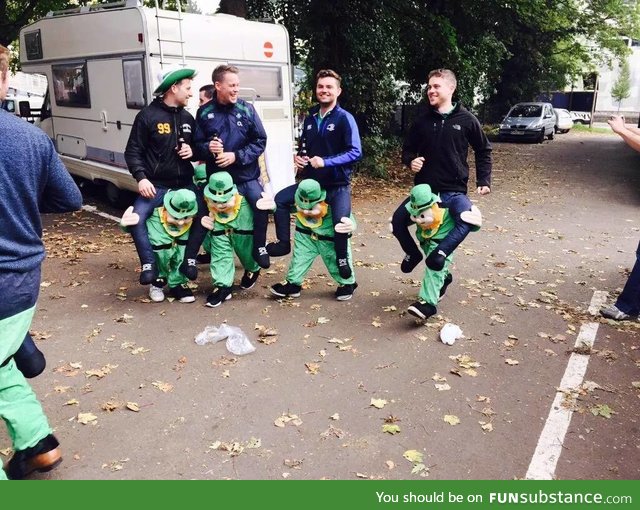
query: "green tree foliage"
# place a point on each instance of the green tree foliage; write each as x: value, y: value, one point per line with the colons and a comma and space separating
x: 622, y: 87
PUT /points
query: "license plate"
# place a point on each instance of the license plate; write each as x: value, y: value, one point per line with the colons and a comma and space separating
x: 517, y: 132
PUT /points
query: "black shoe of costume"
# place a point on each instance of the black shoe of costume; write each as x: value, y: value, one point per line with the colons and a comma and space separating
x: 422, y: 310
x: 182, y: 293
x: 189, y: 269
x: 29, y: 359
x: 261, y: 256
x: 42, y: 457
x: 409, y: 262
x: 249, y: 279
x: 435, y: 260
x: 279, y: 248
x: 345, y: 292
x: 148, y: 274
x: 218, y: 296
x: 203, y: 258
x: 344, y: 269
x: 447, y: 281
x: 286, y: 289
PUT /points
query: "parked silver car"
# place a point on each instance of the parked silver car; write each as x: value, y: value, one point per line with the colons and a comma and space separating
x: 564, y: 122
x: 529, y: 121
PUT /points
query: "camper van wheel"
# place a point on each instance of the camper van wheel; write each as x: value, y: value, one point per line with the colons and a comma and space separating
x: 113, y: 194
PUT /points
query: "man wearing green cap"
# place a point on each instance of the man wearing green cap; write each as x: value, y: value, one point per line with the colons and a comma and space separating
x: 315, y: 235
x: 230, y: 226
x: 433, y: 224
x: 168, y: 228
x: 158, y: 155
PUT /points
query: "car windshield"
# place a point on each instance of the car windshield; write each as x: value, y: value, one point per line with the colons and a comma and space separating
x: 526, y: 110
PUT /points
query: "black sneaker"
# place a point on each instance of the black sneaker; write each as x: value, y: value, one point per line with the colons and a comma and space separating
x: 409, y: 262
x: 203, y: 258
x: 182, y: 293
x: 261, y: 256
x: 218, y: 296
x: 447, y: 281
x: 249, y: 279
x: 344, y: 269
x: 279, y: 248
x: 422, y: 310
x: 148, y: 274
x: 189, y: 269
x: 42, y: 457
x: 345, y: 292
x: 436, y: 259
x: 286, y: 289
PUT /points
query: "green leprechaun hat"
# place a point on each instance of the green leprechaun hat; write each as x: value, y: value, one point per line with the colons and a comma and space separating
x: 420, y: 199
x: 168, y: 77
x: 181, y: 203
x: 220, y: 188
x: 309, y: 194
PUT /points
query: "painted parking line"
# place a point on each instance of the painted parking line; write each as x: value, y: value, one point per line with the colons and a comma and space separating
x: 94, y: 210
x: 547, y: 453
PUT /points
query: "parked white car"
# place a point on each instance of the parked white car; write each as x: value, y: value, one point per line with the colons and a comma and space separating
x: 564, y: 122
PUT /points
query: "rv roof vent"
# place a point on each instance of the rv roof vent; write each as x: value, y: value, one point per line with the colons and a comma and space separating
x: 94, y: 7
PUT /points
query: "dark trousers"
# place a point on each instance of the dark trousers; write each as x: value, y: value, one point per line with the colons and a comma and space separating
x: 339, y: 198
x: 144, y: 207
x: 252, y: 192
x: 629, y: 300
x: 456, y: 202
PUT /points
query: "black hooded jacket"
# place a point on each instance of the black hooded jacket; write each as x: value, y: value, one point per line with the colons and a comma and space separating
x: 444, y: 143
x: 151, y: 149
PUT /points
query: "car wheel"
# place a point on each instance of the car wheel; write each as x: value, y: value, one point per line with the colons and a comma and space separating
x: 550, y: 136
x: 555, y: 128
x: 541, y: 136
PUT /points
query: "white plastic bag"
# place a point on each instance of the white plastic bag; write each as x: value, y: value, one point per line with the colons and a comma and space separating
x: 450, y: 333
x: 237, y: 341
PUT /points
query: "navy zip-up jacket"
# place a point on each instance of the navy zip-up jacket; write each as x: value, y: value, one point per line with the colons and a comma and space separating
x: 151, y: 148
x: 241, y: 132
x: 444, y: 142
x: 336, y: 141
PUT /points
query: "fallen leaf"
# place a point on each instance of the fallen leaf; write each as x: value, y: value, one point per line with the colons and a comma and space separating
x: 312, y: 368
x: 323, y: 320
x: 413, y: 456
x: 162, y: 386
x: 602, y: 410
x: 442, y: 387
x: 335, y: 416
x: 510, y: 361
x: 378, y: 403
x: 487, y: 427
x: 451, y: 419
x: 283, y: 419
x: 390, y: 464
x: 391, y: 428
x: 72, y: 402
x: 132, y: 406
x: 86, y: 418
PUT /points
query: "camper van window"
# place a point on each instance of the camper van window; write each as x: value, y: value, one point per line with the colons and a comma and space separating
x: 133, y: 83
x: 33, y: 45
x: 266, y: 81
x: 70, y: 85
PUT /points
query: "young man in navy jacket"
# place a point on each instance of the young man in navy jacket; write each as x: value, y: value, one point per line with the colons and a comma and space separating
x: 436, y: 150
x: 331, y: 141
x: 229, y: 136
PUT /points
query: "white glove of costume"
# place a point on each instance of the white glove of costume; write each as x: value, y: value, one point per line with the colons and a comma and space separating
x: 207, y: 222
x: 346, y: 226
x: 472, y: 217
x: 129, y: 218
x: 266, y: 203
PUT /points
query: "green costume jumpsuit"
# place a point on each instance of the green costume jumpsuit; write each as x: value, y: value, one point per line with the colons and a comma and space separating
x: 232, y: 233
x: 168, y: 242
x: 314, y: 237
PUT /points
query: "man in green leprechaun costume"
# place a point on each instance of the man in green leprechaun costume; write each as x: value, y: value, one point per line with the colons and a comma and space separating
x: 314, y: 236
x: 168, y: 228
x: 230, y: 225
x: 433, y: 224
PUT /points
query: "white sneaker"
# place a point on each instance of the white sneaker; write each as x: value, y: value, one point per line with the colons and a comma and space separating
x: 156, y: 294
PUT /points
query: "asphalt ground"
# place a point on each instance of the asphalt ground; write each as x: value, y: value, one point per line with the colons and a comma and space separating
x: 132, y: 396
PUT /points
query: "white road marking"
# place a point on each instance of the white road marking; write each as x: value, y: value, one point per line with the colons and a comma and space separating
x: 545, y: 458
x: 94, y: 210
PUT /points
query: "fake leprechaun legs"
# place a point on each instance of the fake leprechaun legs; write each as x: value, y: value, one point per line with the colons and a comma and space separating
x: 433, y: 281
x: 243, y: 248
x: 305, y: 251
x: 327, y: 252
x: 222, y: 267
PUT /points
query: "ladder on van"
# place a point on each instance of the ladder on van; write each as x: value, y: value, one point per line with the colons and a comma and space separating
x: 161, y: 14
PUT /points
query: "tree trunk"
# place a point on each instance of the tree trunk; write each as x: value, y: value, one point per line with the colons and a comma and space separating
x: 234, y: 7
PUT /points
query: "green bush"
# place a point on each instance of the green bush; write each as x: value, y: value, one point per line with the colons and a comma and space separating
x: 380, y: 154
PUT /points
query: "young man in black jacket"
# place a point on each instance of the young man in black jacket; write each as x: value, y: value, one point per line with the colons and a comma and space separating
x: 158, y: 155
x: 436, y: 150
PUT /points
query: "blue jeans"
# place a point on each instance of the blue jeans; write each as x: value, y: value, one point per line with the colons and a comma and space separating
x: 629, y: 300
x: 144, y: 208
x: 339, y: 198
x: 457, y: 203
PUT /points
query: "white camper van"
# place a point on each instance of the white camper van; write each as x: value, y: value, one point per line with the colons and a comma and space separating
x: 102, y: 63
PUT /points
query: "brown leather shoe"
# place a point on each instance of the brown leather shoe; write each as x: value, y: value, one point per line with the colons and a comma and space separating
x: 42, y: 457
